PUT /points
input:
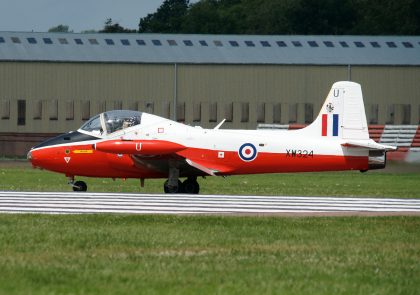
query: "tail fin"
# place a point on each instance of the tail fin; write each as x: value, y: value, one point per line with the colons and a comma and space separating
x: 342, y: 115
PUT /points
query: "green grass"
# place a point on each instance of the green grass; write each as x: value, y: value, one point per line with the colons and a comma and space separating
x: 152, y: 254
x: 372, y: 184
x: 121, y: 254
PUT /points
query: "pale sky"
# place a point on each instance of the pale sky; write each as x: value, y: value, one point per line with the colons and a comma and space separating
x: 79, y: 15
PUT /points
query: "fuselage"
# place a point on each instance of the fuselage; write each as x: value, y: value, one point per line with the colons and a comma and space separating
x: 228, y: 152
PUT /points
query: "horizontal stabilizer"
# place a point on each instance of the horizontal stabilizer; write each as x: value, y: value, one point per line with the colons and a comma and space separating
x: 371, y: 145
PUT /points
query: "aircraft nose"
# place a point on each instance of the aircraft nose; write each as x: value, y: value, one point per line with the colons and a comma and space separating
x: 29, y: 156
x: 38, y: 157
x: 32, y: 157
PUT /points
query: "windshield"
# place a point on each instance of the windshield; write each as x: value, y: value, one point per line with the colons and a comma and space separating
x: 93, y: 125
x: 118, y: 120
x: 112, y: 121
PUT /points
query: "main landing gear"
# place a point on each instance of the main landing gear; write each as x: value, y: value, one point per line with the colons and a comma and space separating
x: 78, y: 186
x: 189, y: 186
x: 174, y: 186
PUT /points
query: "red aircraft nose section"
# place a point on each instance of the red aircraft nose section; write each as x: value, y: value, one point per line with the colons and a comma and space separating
x: 42, y: 158
x: 140, y: 147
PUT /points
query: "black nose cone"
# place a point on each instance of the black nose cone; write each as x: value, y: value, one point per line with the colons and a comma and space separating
x: 70, y: 137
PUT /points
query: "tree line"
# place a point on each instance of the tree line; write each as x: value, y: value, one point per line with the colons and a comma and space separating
x: 282, y: 17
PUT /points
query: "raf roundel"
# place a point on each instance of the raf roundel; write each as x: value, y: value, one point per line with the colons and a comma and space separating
x: 247, y: 152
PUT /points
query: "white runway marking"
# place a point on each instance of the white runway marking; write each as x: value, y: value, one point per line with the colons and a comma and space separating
x: 76, y: 203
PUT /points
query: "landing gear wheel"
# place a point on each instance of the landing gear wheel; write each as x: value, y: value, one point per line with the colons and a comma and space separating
x: 79, y: 186
x: 172, y: 189
x: 191, y: 186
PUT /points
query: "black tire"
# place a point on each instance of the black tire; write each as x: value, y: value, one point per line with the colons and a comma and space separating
x: 172, y: 190
x: 191, y: 186
x: 80, y: 186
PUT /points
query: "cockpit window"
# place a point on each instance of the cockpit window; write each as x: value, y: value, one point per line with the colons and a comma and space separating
x: 93, y: 125
x: 112, y: 121
x: 118, y: 120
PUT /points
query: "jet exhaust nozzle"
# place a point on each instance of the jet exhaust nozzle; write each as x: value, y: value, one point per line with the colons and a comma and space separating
x: 377, y: 159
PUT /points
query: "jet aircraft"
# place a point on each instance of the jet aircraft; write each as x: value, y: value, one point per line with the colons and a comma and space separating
x: 132, y: 144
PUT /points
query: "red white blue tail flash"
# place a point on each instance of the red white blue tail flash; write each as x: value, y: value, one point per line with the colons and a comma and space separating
x: 330, y: 124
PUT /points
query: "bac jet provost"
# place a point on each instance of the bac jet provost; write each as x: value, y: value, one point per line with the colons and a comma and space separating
x: 131, y: 144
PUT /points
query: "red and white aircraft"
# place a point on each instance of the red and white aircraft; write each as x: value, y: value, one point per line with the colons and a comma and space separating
x: 131, y: 144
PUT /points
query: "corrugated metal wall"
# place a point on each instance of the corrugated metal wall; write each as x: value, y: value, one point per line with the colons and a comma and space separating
x: 395, y: 91
x: 57, y: 97
x: 261, y: 87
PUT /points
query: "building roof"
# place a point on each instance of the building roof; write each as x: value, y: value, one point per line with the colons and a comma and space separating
x: 210, y: 49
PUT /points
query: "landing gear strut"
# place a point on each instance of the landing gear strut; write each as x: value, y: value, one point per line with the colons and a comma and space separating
x: 173, y: 185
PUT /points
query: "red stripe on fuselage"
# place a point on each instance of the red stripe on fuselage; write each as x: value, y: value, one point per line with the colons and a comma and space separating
x: 101, y: 164
x: 232, y: 164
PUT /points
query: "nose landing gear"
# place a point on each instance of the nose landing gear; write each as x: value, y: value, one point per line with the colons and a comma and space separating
x: 78, y: 186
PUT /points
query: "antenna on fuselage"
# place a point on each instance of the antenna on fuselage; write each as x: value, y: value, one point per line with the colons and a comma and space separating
x: 220, y: 124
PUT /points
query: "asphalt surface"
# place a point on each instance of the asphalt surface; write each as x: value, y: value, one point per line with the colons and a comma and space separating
x: 79, y: 203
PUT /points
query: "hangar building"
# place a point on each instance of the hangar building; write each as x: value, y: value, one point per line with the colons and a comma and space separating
x: 52, y: 82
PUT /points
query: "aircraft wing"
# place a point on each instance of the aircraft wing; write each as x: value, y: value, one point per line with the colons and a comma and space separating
x: 371, y: 145
x: 202, y: 168
x: 187, y: 167
x: 211, y: 169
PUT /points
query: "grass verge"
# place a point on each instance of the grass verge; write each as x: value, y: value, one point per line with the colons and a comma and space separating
x: 121, y: 254
x: 370, y: 184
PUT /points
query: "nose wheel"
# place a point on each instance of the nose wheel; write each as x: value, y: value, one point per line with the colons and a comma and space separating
x: 78, y: 186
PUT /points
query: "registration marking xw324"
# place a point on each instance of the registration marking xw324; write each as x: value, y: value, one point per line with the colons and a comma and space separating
x: 299, y: 153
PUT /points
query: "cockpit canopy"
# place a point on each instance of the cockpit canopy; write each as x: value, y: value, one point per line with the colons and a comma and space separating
x: 112, y: 121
